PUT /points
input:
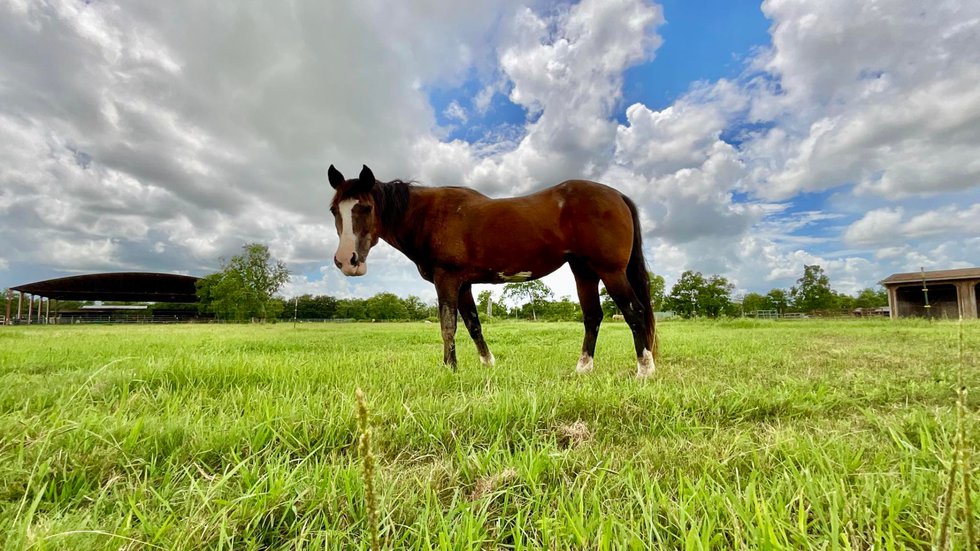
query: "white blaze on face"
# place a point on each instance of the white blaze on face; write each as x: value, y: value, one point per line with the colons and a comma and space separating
x: 348, y: 241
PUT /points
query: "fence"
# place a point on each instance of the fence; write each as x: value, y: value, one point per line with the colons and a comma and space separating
x: 776, y: 315
x: 150, y: 319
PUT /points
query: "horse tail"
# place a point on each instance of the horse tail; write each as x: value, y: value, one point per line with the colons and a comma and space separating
x: 639, y: 278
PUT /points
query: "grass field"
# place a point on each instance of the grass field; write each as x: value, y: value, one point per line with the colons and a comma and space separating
x: 757, y: 435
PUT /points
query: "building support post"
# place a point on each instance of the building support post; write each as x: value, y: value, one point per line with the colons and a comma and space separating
x: 30, y: 307
x: 20, y: 299
x: 965, y: 292
x: 892, y: 302
x: 10, y: 298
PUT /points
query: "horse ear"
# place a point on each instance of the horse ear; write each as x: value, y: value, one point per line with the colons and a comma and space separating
x: 335, y: 177
x: 366, y: 180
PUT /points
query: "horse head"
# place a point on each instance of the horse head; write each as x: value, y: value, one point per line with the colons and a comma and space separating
x: 356, y: 218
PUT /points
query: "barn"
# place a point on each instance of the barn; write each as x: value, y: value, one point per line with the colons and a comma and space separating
x: 36, y: 297
x: 938, y: 294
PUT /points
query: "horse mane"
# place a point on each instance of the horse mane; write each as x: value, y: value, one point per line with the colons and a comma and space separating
x: 391, y: 200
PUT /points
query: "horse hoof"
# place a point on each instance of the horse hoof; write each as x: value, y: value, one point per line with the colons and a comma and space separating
x: 488, y: 360
x: 644, y: 365
x: 585, y: 364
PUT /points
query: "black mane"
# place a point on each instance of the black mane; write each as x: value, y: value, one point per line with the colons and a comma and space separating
x: 391, y: 200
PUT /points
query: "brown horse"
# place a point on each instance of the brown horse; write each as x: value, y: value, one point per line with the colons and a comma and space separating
x: 457, y: 237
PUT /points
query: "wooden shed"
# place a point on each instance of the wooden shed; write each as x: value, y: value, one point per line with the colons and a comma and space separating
x: 937, y: 294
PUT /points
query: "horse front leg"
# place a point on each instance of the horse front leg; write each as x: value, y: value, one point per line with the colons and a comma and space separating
x: 447, y: 291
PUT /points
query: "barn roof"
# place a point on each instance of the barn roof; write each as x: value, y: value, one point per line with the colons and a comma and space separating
x: 937, y: 275
x: 121, y: 286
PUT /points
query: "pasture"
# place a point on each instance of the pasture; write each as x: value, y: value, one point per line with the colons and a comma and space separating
x: 757, y: 435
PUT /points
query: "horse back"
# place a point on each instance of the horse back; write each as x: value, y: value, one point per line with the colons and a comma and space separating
x: 533, y: 234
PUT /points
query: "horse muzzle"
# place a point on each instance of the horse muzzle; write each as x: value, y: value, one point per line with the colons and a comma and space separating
x: 358, y: 270
x: 353, y: 267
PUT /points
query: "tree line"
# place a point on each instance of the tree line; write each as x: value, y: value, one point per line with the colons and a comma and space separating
x: 246, y: 286
x: 695, y: 295
x: 390, y: 307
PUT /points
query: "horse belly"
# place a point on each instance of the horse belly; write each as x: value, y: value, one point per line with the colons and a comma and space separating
x: 521, y: 272
x: 514, y: 256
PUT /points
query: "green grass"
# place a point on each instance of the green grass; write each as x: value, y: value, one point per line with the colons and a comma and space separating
x: 756, y: 435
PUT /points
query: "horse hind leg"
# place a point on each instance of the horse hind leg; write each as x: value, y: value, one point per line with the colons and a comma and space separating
x: 587, y: 285
x: 634, y: 311
x: 471, y: 319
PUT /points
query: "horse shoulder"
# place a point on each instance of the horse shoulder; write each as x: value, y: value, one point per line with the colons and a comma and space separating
x: 437, y: 222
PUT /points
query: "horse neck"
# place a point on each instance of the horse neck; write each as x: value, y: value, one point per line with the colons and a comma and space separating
x: 393, y: 199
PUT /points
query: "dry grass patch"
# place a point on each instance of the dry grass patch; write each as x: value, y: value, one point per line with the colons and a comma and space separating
x: 573, y: 435
x: 490, y: 484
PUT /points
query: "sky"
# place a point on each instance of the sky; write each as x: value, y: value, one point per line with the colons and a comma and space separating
x: 755, y: 138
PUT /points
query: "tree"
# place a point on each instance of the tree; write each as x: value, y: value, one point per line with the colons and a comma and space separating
x: 561, y: 310
x: 527, y: 292
x: 657, y: 288
x: 842, y: 301
x: 245, y: 286
x: 778, y: 300
x: 695, y: 295
x: 324, y: 307
x: 303, y: 307
x: 385, y: 306
x: 870, y: 298
x: 716, y: 297
x: 351, y: 308
x: 310, y: 307
x: 752, y: 302
x: 609, y: 308
x: 416, y: 309
x: 487, y: 307
x: 683, y: 298
x: 9, y: 303
x: 812, y: 291
x: 216, y: 294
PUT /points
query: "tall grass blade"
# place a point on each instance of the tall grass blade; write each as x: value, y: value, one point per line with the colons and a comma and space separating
x: 367, y: 459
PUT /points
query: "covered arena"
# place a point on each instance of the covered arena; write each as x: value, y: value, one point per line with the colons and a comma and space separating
x: 947, y: 294
x: 38, y: 302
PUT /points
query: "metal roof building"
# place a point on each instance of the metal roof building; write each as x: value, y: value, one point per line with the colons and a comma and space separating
x: 115, y: 286
x: 937, y: 294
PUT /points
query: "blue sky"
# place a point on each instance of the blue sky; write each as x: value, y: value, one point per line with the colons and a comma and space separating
x: 755, y: 137
x: 703, y: 41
